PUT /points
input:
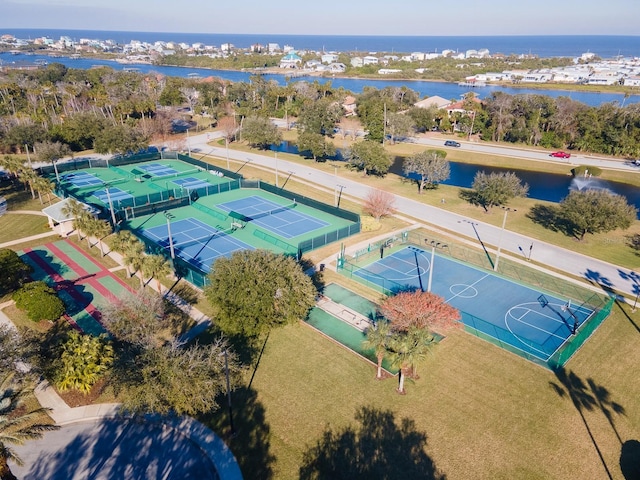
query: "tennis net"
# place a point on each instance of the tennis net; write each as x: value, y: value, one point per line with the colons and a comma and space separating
x: 201, y: 240
x: 273, y: 211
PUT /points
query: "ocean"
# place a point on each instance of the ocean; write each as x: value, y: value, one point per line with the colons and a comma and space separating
x: 605, y: 46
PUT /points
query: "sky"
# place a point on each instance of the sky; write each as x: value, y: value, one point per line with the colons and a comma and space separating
x: 331, y: 17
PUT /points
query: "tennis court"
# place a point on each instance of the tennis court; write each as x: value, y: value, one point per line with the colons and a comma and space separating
x: 190, y: 182
x: 195, y: 242
x: 113, y: 194
x: 81, y: 179
x: 285, y: 220
x: 533, y: 322
x: 157, y: 169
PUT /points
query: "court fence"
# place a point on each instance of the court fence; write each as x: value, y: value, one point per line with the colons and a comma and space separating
x: 321, y: 240
x: 600, y: 305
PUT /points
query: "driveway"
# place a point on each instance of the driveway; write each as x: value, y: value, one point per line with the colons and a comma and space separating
x: 113, y: 448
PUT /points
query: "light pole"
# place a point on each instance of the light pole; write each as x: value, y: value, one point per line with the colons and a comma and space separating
x: 226, y: 370
x: 169, y: 218
x: 226, y: 142
x: 335, y: 186
x: 113, y: 215
x: 342, y: 187
x: 276, y: 153
x: 504, y: 222
x: 434, y: 244
x: 188, y: 147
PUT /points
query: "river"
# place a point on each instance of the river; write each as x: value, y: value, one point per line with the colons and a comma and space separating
x: 355, y: 85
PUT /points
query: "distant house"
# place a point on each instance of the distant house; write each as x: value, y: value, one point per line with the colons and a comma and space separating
x: 370, y: 60
x: 349, y: 106
x: 633, y: 81
x: 337, y: 67
x: 313, y: 64
x: 388, y: 71
x: 290, y: 60
x: 357, y: 62
x: 434, y: 101
x: 329, y: 58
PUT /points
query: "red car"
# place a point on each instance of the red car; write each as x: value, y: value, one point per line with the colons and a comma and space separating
x: 560, y: 154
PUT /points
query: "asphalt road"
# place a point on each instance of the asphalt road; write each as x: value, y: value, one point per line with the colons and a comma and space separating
x: 597, y: 272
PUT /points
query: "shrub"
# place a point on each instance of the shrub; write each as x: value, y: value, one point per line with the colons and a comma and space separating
x: 39, y: 301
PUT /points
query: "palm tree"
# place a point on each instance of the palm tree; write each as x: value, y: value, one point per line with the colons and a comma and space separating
x: 407, y: 349
x: 133, y: 258
x: 16, y: 427
x: 423, y: 340
x: 73, y: 210
x: 43, y: 186
x: 378, y: 340
x: 155, y: 266
x: 83, y: 360
x: 102, y: 229
x: 121, y: 243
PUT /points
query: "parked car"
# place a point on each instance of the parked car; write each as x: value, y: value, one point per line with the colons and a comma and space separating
x: 451, y: 143
x: 560, y: 155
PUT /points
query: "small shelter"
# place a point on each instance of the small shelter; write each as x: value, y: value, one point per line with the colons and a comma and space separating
x: 60, y: 222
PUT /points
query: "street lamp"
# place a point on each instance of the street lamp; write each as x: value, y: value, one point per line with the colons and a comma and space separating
x: 335, y: 187
x: 504, y: 222
x: 276, y: 154
x: 169, y: 218
x: 341, y: 187
x: 113, y: 215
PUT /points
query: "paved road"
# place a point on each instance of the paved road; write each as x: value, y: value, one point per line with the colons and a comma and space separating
x: 596, y: 271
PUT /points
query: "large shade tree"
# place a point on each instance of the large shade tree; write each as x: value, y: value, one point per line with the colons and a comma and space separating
x: 431, y: 167
x: 424, y: 310
x: 496, y: 189
x: 596, y: 211
x: 254, y: 291
x: 14, y: 270
x: 370, y: 157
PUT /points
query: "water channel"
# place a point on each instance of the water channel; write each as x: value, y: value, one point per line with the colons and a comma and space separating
x: 551, y: 187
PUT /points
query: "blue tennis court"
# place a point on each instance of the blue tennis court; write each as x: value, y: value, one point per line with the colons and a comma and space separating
x: 191, y: 182
x: 196, y: 242
x: 81, y: 179
x: 284, y: 220
x: 115, y: 194
x: 534, y: 323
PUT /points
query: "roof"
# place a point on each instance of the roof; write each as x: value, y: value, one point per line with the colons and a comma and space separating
x: 436, y: 101
x: 55, y: 211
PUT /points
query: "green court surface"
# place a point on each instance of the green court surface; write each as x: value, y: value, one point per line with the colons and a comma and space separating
x: 84, y: 286
x: 132, y: 185
x: 206, y: 210
x: 346, y: 297
x: 344, y: 334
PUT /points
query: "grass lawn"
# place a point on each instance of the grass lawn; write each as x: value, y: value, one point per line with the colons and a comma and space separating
x: 486, y: 414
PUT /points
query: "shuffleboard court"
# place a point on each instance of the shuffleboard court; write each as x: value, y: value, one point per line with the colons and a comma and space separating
x: 284, y: 220
x: 195, y: 242
x: 534, y: 322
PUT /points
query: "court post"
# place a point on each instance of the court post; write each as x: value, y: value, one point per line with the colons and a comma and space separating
x: 113, y: 215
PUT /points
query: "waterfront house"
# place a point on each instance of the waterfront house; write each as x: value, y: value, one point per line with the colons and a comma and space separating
x: 329, y: 58
x: 434, y: 101
x: 290, y: 60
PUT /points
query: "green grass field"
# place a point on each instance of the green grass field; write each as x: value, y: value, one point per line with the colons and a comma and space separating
x: 486, y: 413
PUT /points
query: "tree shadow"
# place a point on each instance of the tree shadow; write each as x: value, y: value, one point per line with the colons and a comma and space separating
x: 633, y: 242
x: 375, y: 448
x: 472, y: 197
x: 588, y: 396
x: 132, y: 448
x: 251, y: 441
x: 549, y: 217
x: 630, y: 460
x: 597, y: 279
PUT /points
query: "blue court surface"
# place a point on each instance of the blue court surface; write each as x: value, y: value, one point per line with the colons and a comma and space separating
x: 284, y: 220
x: 81, y: 179
x: 115, y: 194
x: 191, y: 182
x: 196, y: 242
x: 534, y: 323
x: 157, y: 169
